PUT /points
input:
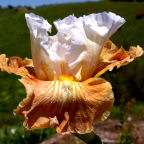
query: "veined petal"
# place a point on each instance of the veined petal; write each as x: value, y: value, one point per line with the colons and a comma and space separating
x: 16, y: 65
x: 71, y: 107
x: 111, y: 56
x: 76, y: 47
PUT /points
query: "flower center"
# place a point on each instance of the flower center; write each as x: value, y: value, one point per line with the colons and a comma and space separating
x: 65, y: 78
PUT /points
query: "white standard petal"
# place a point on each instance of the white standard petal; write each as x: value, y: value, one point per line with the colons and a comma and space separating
x: 81, y: 40
x: 76, y: 47
x: 46, y: 62
x: 101, y: 26
x: 37, y: 24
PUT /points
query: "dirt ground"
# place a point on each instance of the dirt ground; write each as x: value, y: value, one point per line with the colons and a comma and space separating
x: 109, y: 131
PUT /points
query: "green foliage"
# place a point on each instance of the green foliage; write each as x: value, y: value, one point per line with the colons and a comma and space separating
x: 19, y: 135
x: 8, y: 119
x: 137, y: 111
x: 89, y: 138
x: 126, y: 136
x: 12, y: 92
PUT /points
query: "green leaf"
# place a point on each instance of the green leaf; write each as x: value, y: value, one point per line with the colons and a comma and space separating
x: 89, y: 138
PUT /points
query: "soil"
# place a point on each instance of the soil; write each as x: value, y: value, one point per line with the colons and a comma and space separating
x: 109, y: 131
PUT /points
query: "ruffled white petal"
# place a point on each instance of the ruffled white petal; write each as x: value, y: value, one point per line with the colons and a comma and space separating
x: 102, y: 25
x: 75, y: 49
x: 46, y: 62
x: 37, y: 25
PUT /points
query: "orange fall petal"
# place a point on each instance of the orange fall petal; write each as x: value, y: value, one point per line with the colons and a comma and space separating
x: 111, y: 56
x: 68, y: 106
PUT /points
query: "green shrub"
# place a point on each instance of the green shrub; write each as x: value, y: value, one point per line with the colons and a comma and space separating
x: 19, y: 135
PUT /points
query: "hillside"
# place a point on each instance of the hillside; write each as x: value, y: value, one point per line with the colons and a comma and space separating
x: 14, y: 34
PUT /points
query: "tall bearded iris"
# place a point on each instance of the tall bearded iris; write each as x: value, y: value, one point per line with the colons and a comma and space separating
x: 62, y: 80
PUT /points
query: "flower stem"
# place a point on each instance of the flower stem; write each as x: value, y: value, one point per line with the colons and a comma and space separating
x: 89, y: 138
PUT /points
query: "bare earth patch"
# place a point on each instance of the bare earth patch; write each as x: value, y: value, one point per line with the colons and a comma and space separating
x: 109, y: 131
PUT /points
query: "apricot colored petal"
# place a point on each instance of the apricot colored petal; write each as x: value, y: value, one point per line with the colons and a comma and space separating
x: 16, y: 65
x: 71, y: 107
x: 111, y: 56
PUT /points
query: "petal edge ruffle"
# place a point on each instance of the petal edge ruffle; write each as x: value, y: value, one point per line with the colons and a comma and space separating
x: 111, y: 56
x: 17, y: 66
x: 71, y: 107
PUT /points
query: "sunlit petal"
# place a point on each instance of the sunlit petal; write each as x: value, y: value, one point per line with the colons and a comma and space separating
x: 76, y: 47
x: 16, y: 65
x: 111, y: 56
x: 67, y: 105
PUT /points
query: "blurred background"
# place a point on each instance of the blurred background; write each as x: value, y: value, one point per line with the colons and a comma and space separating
x: 126, y: 122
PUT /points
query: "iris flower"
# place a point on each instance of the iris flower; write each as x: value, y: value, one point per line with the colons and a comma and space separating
x: 62, y: 80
